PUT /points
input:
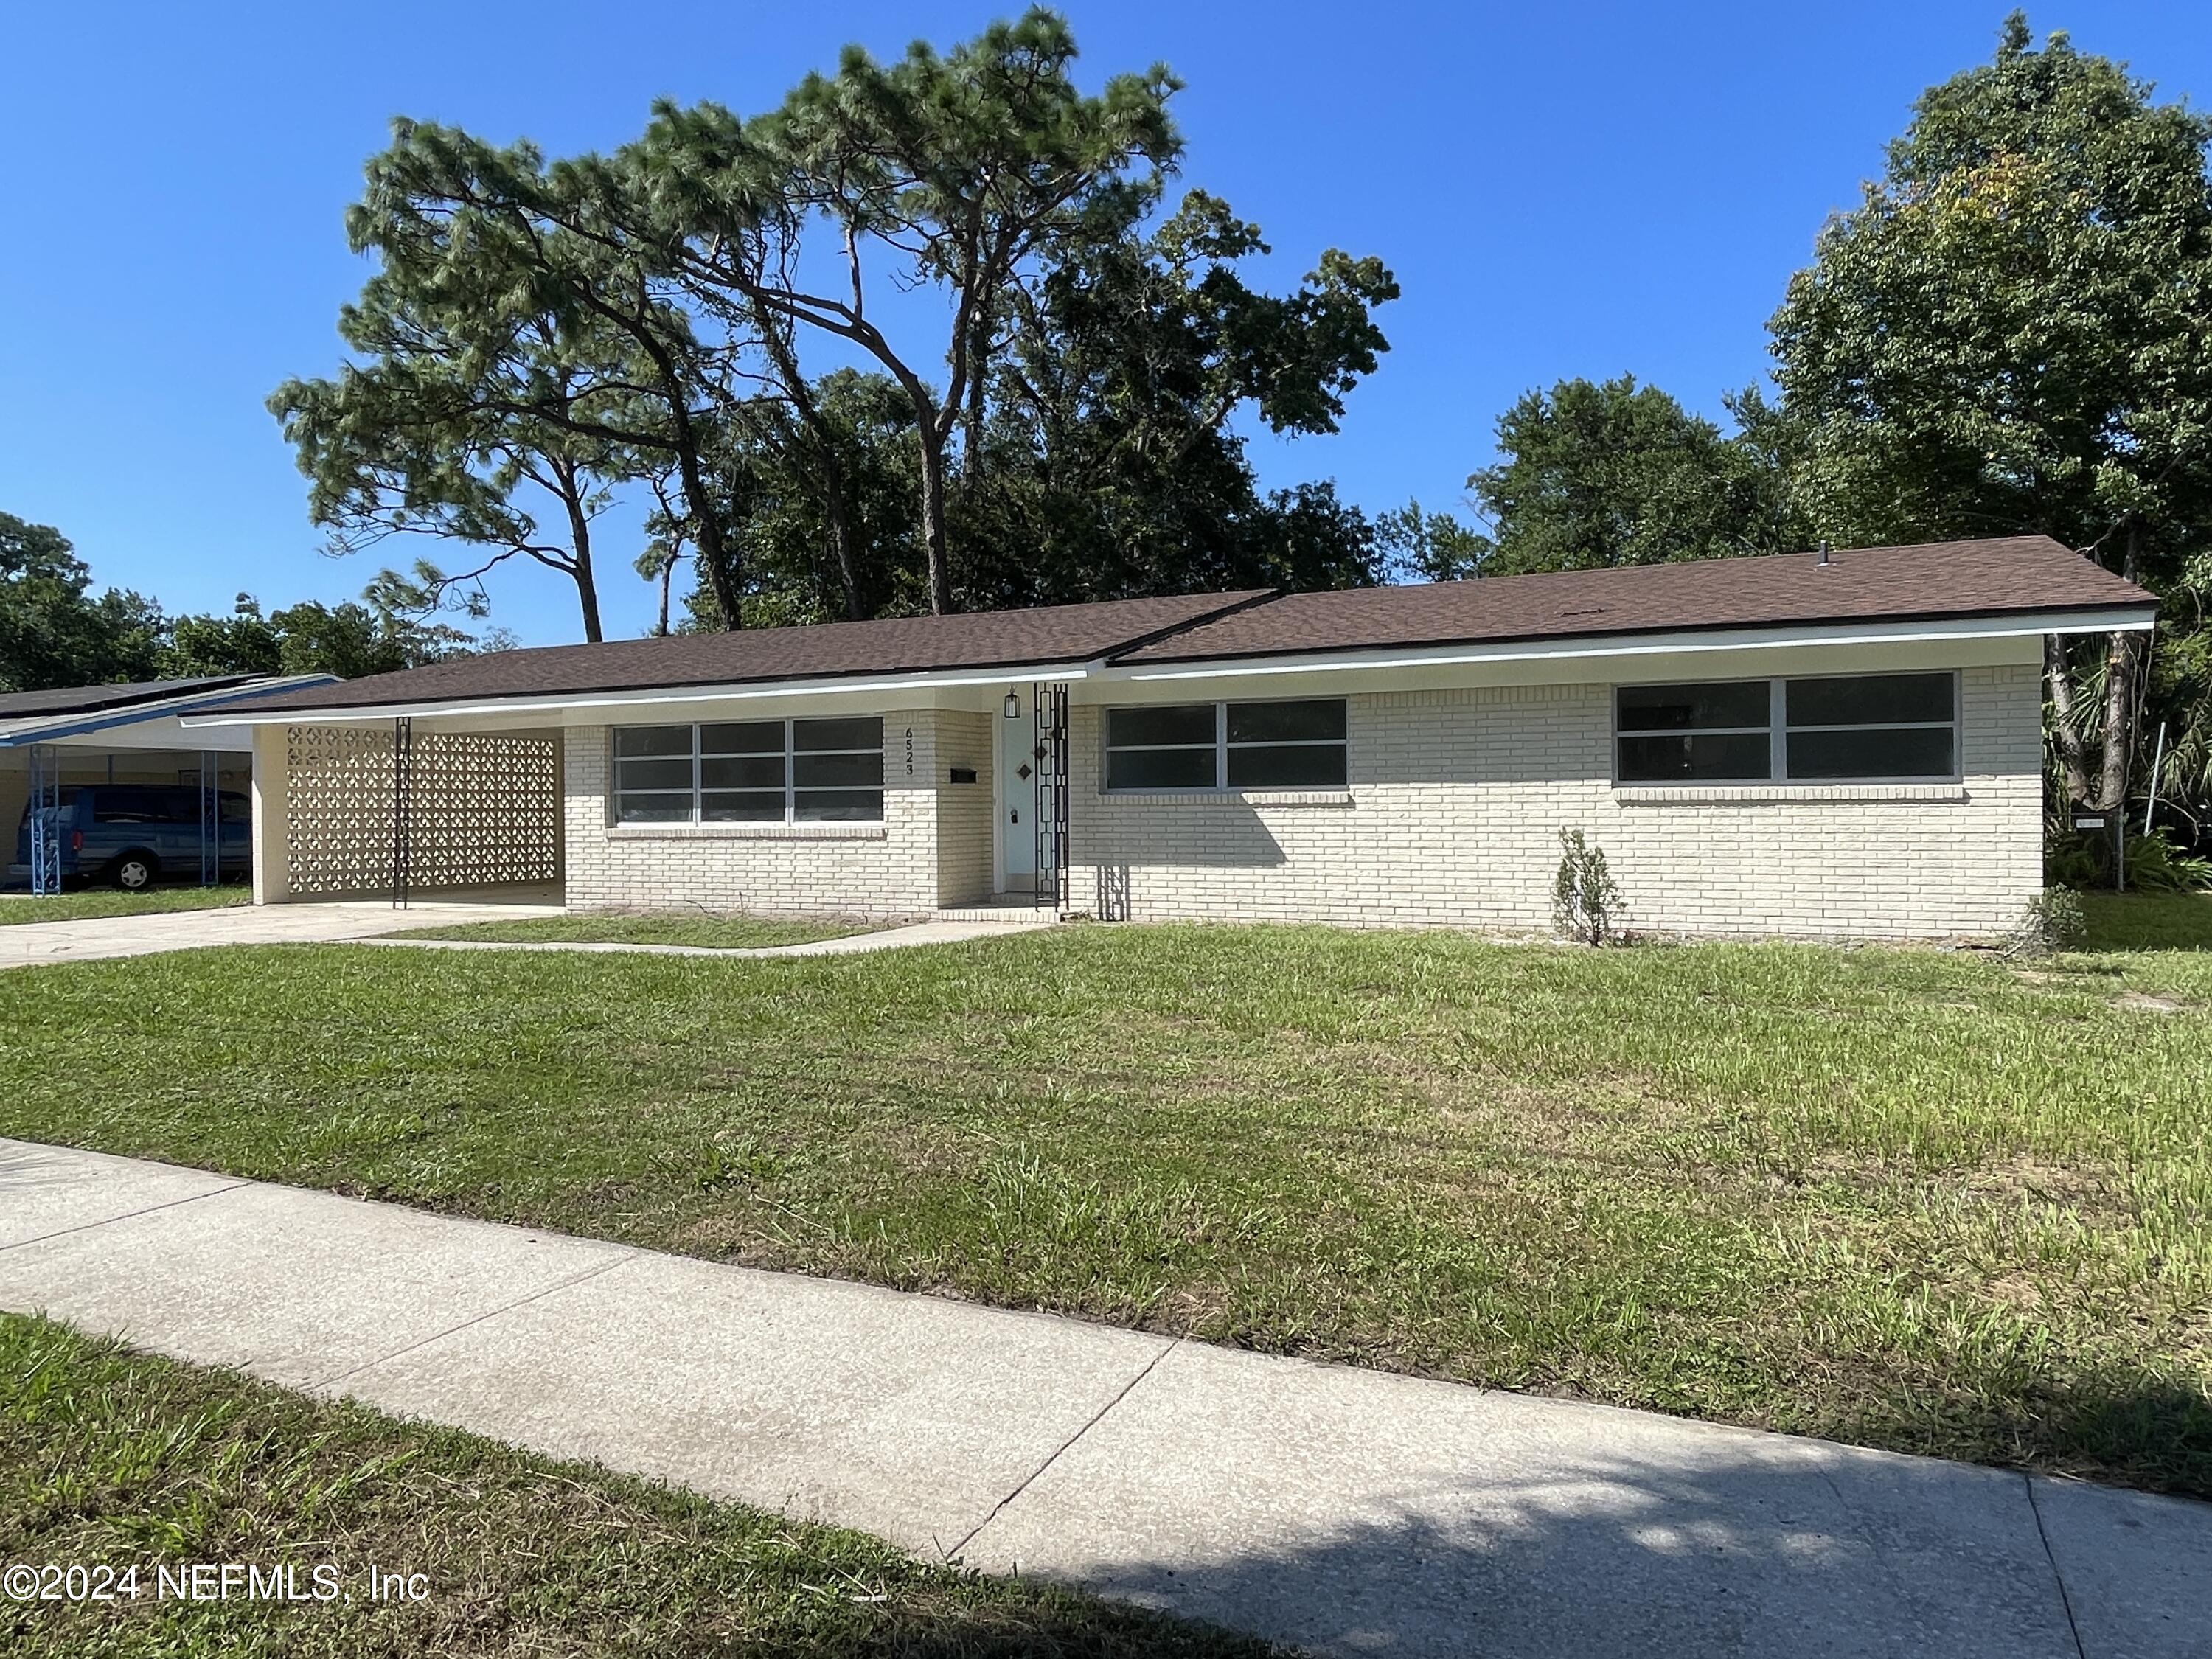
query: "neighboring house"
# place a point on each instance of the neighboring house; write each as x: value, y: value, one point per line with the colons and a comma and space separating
x: 120, y: 737
x: 1814, y: 745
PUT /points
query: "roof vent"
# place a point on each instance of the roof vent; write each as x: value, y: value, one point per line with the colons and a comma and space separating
x: 1824, y: 559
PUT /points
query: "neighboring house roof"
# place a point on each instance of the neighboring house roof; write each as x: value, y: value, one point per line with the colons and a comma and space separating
x: 75, y: 712
x: 903, y: 645
x: 2011, y: 576
x: 90, y: 699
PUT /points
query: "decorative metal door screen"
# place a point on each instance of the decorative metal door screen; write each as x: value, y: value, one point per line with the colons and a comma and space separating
x: 1049, y: 705
x: 46, y: 820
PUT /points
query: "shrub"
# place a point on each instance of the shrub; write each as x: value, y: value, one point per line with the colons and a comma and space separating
x: 1583, y: 894
x: 2051, y: 920
x: 2083, y: 858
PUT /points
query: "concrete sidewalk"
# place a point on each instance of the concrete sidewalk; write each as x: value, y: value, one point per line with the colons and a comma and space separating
x: 1352, y: 1511
x: 28, y: 944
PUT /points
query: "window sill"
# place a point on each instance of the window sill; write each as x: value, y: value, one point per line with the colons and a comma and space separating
x: 746, y: 832
x: 1230, y: 796
x: 1760, y: 794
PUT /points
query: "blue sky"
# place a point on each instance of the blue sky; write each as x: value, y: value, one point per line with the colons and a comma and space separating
x: 1564, y: 189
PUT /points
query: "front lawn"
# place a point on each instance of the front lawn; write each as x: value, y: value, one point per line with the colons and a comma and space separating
x: 711, y: 930
x: 82, y: 902
x: 118, y: 1460
x: 1924, y: 1201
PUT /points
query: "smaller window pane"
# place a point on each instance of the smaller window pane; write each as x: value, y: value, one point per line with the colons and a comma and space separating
x: 1296, y: 766
x: 1693, y: 708
x: 1160, y: 768
x: 1694, y: 758
x: 838, y: 805
x: 1320, y: 718
x: 749, y: 737
x: 1870, y: 700
x: 838, y: 771
x: 1876, y: 752
x: 816, y: 735
x: 741, y: 806
x: 653, y: 809
x: 652, y: 741
x: 742, y: 772
x: 655, y: 774
x: 1138, y: 728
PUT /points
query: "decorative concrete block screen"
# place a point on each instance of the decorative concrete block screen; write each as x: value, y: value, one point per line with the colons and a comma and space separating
x: 485, y: 810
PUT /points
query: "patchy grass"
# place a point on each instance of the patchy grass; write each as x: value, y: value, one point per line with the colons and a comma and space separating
x: 1911, y: 1198
x: 82, y: 903
x: 2148, y: 921
x: 112, y: 1458
x: 712, y: 930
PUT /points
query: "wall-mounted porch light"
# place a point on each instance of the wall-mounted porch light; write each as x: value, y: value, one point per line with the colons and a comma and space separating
x: 1013, y: 706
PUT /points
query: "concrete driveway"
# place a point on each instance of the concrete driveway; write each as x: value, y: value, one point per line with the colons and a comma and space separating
x: 1350, y: 1512
x: 26, y: 943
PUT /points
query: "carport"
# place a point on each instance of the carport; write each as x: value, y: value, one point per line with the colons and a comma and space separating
x: 54, y: 742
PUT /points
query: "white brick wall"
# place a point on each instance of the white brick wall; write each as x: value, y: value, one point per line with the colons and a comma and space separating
x: 888, y: 870
x: 1456, y: 799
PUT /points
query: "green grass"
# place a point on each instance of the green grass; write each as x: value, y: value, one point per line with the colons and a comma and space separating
x: 714, y: 931
x: 1912, y: 1199
x: 2148, y: 921
x: 112, y: 1458
x: 78, y: 906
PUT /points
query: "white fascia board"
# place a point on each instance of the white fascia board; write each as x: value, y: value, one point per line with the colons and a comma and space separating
x: 504, y: 706
x: 1646, y: 645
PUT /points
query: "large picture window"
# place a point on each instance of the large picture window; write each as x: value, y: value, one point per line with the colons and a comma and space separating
x: 1216, y: 746
x: 1864, y: 728
x: 810, y: 771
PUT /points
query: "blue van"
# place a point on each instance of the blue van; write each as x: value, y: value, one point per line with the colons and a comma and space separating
x: 132, y: 834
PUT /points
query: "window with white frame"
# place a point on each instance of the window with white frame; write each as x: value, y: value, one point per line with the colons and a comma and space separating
x: 1218, y: 746
x: 796, y: 771
x: 1863, y: 728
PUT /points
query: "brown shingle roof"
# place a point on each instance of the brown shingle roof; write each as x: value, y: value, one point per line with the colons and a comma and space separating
x: 903, y: 645
x: 2007, y: 575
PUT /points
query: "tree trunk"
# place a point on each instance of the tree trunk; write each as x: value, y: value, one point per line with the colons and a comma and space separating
x: 587, y: 591
x: 841, y: 534
x: 932, y: 514
x: 2123, y: 661
x: 2072, y: 764
x: 707, y: 534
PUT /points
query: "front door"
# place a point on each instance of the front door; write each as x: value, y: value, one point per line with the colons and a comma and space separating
x: 1017, y: 793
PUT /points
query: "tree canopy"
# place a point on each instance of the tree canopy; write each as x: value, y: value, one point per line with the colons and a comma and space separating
x: 696, y: 318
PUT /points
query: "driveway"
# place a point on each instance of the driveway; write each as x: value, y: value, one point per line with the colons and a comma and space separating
x: 1350, y: 1512
x: 28, y: 943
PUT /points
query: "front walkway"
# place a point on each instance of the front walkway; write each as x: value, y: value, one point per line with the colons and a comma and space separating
x: 891, y: 936
x: 91, y: 937
x: 1351, y: 1511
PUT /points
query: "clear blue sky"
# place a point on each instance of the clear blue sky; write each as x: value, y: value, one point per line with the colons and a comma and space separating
x: 1561, y: 189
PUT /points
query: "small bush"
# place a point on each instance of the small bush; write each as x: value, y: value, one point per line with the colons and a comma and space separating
x: 2051, y: 920
x: 1583, y: 894
x: 2083, y: 858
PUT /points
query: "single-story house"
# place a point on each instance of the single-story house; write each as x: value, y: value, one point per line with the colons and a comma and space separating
x: 126, y: 739
x: 1823, y: 744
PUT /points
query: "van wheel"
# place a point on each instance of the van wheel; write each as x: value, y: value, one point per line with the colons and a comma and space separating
x: 133, y: 873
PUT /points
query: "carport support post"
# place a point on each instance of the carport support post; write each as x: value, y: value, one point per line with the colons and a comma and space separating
x: 271, y: 813
x: 210, y: 818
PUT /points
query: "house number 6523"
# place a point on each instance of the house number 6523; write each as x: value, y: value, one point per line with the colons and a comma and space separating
x: 909, y: 752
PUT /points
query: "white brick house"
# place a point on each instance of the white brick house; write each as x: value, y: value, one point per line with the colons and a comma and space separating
x: 1817, y: 745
